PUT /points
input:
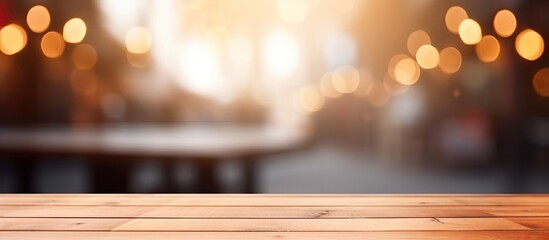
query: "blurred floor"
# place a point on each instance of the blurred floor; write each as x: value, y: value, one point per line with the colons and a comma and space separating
x: 325, y: 168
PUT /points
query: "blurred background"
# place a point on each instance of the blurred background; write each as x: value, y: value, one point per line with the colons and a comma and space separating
x: 274, y: 96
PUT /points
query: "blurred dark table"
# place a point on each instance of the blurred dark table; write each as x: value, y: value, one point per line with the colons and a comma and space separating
x: 113, y: 149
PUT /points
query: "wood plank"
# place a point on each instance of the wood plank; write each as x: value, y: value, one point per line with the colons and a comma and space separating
x: 541, y: 223
x: 182, y: 200
x: 515, y: 211
x: 503, y: 201
x: 237, y: 212
x: 59, y: 224
x: 320, y: 225
x: 455, y: 235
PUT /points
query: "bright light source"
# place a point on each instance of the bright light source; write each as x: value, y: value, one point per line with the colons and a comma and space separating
x: 416, y: 40
x: 280, y: 54
x: 470, y: 32
x: 52, y: 44
x: 427, y: 57
x: 38, y: 19
x: 74, y: 30
x: 488, y: 49
x: 407, y: 71
x: 454, y: 16
x: 346, y: 79
x: 138, y: 40
x: 13, y: 39
x: 529, y: 44
x: 505, y: 23
x: 310, y: 99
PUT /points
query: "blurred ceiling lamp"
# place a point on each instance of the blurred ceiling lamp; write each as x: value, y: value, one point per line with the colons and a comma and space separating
x: 201, y: 70
x: 84, y: 56
x: 392, y: 63
x: 74, y: 30
x: 427, y: 57
x: 310, y: 99
x: 529, y: 44
x: 345, y: 79
x: 416, y: 40
x: 407, y: 71
x: 52, y: 44
x: 488, y: 49
x: 450, y: 60
x: 292, y: 11
x: 38, y: 19
x: 241, y: 50
x: 217, y: 39
x: 13, y: 39
x: 454, y: 16
x: 470, y: 32
x: 378, y: 95
x: 505, y: 23
x: 280, y: 54
x: 326, y: 86
x: 138, y: 40
x: 541, y: 82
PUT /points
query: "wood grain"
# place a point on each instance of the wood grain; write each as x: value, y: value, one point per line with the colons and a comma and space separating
x: 273, y: 216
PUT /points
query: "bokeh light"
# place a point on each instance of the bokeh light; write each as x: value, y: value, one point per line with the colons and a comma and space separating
x: 138, y: 40
x: 84, y: 56
x: 326, y: 86
x: 345, y: 79
x: 427, y: 57
x: 416, y: 40
x: 392, y: 63
x: 407, y: 71
x: 488, y: 49
x: 450, y: 60
x: 529, y: 44
x: 241, y: 50
x: 292, y: 11
x: 505, y: 23
x: 13, y: 39
x: 394, y: 87
x: 217, y: 39
x: 541, y: 82
x: 74, y: 30
x: 280, y: 54
x: 310, y: 99
x: 52, y: 44
x: 470, y: 32
x: 38, y: 19
x: 454, y: 16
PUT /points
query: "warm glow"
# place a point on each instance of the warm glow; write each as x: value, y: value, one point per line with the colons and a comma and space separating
x: 394, y: 87
x: 74, y: 30
x: 529, y: 44
x: 292, y: 11
x: 392, y: 63
x: 470, y: 32
x: 13, y: 39
x: 378, y: 95
x: 326, y: 86
x: 280, y: 54
x: 83, y: 82
x: 217, y: 39
x: 310, y: 99
x: 241, y: 50
x: 407, y: 71
x: 201, y: 70
x: 416, y: 40
x: 427, y: 57
x: 450, y: 60
x: 52, y: 44
x: 541, y: 82
x: 38, y: 19
x: 454, y: 16
x: 84, y: 56
x: 488, y: 49
x: 505, y: 23
x: 138, y: 40
x: 346, y: 79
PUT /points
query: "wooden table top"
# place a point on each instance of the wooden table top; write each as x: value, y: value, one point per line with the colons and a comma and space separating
x: 157, y: 141
x: 272, y: 216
